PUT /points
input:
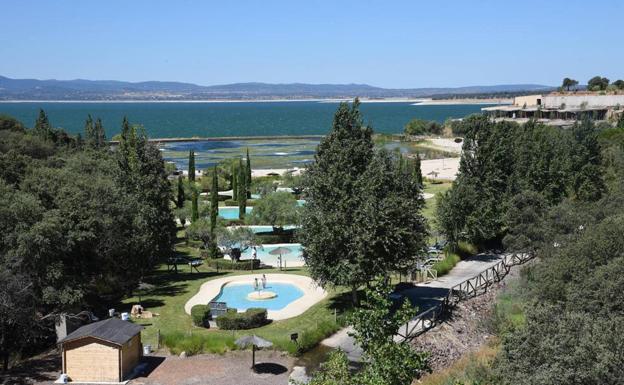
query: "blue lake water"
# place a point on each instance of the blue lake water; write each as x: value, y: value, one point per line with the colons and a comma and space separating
x: 167, y: 120
x: 235, y: 295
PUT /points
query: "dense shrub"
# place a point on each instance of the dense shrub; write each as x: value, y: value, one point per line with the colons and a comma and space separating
x: 200, y: 315
x: 445, y: 265
x: 251, y: 318
x: 465, y: 249
x: 178, y: 342
x: 310, y: 338
x: 224, y: 264
x: 232, y: 202
x: 286, y: 236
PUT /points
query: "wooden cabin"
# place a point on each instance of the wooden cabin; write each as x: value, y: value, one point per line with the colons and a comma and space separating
x: 104, y: 351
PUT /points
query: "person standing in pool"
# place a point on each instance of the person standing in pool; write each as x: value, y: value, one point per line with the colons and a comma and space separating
x: 263, y: 281
x: 256, y: 286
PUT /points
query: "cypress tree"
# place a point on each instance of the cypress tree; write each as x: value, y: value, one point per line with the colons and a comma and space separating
x: 89, y: 131
x: 242, y: 190
x: 417, y: 173
x: 42, y: 125
x: 191, y: 166
x: 248, y: 175
x: 234, y: 182
x: 100, y: 135
x: 195, y: 206
x: 214, y: 200
x: 180, y: 194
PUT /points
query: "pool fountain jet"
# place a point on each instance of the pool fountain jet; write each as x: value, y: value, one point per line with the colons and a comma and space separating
x: 259, y: 294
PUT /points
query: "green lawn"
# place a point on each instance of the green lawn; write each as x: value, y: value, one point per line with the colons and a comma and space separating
x: 431, y: 203
x: 173, y: 290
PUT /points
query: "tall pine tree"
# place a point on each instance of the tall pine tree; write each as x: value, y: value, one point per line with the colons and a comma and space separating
x: 42, y: 128
x: 242, y: 190
x: 89, y: 132
x: 100, y: 134
x: 417, y: 172
x: 248, y: 175
x: 191, y: 166
x: 180, y: 194
x: 234, y: 182
x: 214, y: 200
x: 360, y: 221
x: 195, y: 206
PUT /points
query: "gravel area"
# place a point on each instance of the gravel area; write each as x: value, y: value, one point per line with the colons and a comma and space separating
x: 229, y: 369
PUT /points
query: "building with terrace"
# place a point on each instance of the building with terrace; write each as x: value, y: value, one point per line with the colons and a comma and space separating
x: 561, y: 109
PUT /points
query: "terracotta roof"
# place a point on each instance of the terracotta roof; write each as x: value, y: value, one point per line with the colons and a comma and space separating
x: 112, y: 330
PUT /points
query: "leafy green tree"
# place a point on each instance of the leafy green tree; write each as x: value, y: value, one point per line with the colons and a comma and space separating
x: 79, y: 228
x: 567, y: 83
x: 526, y: 223
x: 277, y: 209
x: 360, y: 221
x: 423, y: 127
x: 375, y: 325
x: 191, y: 166
x: 18, y: 318
x: 385, y: 362
x: 334, y: 371
x: 619, y: 84
x: 597, y: 83
x: 588, y: 183
x: 237, y: 237
x: 201, y: 230
x: 9, y: 123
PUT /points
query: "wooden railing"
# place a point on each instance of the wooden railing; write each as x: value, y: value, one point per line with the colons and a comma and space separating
x: 469, y: 288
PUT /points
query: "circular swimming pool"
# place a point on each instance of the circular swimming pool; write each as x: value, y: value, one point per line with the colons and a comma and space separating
x: 236, y: 295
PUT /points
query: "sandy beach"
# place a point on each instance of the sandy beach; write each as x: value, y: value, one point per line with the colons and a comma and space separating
x: 445, y: 168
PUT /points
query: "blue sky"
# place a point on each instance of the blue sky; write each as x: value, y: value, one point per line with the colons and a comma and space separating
x: 382, y: 43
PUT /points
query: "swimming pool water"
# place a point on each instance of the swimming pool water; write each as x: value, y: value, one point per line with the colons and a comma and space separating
x: 267, y: 229
x: 231, y: 212
x: 235, y: 295
x: 296, y: 254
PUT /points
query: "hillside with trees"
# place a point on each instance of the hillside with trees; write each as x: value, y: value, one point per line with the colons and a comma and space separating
x: 559, y: 195
x: 81, y: 225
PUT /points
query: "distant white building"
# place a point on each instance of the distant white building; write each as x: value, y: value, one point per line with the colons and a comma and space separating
x: 560, y: 108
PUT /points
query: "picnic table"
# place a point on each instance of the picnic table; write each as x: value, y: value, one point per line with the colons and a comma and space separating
x: 173, y: 262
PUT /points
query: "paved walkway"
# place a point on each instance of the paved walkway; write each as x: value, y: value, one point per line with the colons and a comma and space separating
x: 424, y: 295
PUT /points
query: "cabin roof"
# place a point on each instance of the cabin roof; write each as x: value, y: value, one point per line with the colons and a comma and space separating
x: 112, y: 330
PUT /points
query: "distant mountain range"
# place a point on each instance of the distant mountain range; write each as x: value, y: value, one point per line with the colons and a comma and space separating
x: 79, y: 89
